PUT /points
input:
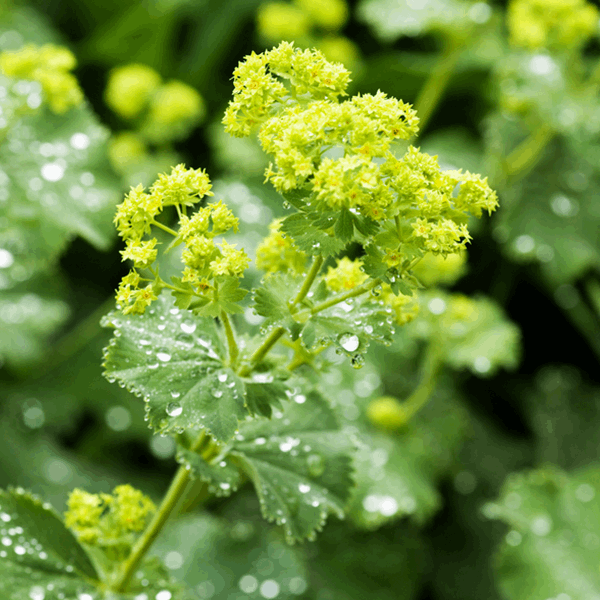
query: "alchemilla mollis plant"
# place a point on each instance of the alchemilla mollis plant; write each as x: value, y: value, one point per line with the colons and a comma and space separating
x: 292, y: 341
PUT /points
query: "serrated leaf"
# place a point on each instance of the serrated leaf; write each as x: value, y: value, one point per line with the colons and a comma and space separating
x: 38, y: 549
x: 229, y: 295
x: 233, y: 556
x: 398, y: 474
x: 300, y: 464
x: 263, y: 397
x: 183, y: 298
x: 551, y: 548
x: 344, y: 226
x: 222, y: 476
x: 173, y: 359
x: 391, y: 19
x: 310, y: 238
x: 271, y: 299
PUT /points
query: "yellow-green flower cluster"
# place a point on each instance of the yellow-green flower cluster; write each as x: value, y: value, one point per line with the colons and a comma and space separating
x: 134, y: 220
x: 106, y: 520
x: 435, y: 269
x: 168, y: 110
x: 346, y: 275
x: 278, y: 253
x: 282, y: 21
x: 387, y: 413
x: 205, y: 259
x: 50, y: 66
x: 405, y: 308
x: 259, y: 91
x: 552, y: 24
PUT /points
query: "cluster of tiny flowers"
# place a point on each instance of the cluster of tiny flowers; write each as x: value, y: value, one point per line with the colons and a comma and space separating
x: 263, y: 83
x: 341, y: 154
x: 278, y: 253
x: 205, y: 259
x: 106, y: 520
x: 50, y: 66
x: 552, y: 24
x: 169, y: 110
x: 435, y: 269
x: 134, y: 219
x: 405, y: 308
x: 346, y: 275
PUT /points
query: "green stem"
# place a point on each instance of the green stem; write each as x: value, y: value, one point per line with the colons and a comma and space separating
x: 165, y: 228
x: 231, y: 343
x: 436, y: 83
x: 525, y: 156
x: 168, y: 504
x: 276, y: 333
x: 357, y: 291
x: 429, y: 374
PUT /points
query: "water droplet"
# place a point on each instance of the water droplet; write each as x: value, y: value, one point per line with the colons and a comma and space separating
x: 260, y: 441
x: 304, y: 488
x: 541, y: 525
x: 217, y: 393
x: 436, y: 306
x: 513, y: 538
x: 585, y: 493
x: 482, y: 364
x: 224, y: 486
x: 563, y: 206
x: 368, y: 329
x: 300, y: 399
x: 349, y: 342
x: 152, y: 364
x: 163, y: 355
x: 524, y: 244
x: 6, y: 259
x: 37, y: 592
x: 5, y: 517
x: 6, y: 541
x: 188, y: 326
x: 222, y: 377
x: 164, y: 595
x: 20, y: 550
x: 269, y: 589
x: 174, y: 409
x: 357, y: 361
x: 316, y: 465
x: 175, y: 395
x: 80, y: 141
x: 248, y: 584
x: 52, y: 171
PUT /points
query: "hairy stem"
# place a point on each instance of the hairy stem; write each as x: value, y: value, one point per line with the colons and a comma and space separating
x: 525, y: 156
x: 272, y: 338
x: 436, y: 83
x: 168, y: 504
x: 231, y: 343
x: 429, y: 373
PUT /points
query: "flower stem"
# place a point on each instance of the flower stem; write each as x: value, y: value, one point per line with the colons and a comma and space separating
x: 429, y: 373
x: 436, y: 83
x: 168, y: 504
x: 272, y: 338
x: 231, y: 343
x: 525, y: 156
x: 165, y: 228
x: 357, y: 291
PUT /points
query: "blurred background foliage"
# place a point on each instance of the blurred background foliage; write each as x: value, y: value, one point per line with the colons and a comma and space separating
x: 490, y: 491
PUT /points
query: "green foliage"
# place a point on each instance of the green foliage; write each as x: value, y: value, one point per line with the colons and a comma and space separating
x: 550, y: 547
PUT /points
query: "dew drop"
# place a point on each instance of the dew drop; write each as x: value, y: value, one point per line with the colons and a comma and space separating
x: 217, y: 393
x: 188, y: 326
x: 300, y: 399
x: 163, y: 355
x: 316, y: 465
x: 222, y: 377
x: 349, y: 342
x: 174, y: 409
x: 304, y: 488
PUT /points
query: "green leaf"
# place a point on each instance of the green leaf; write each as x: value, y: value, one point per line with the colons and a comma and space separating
x: 229, y: 295
x: 234, y: 556
x: 351, y: 326
x: 183, y: 298
x: 391, y: 19
x: 300, y: 464
x: 37, y: 550
x: 551, y: 548
x: 398, y: 474
x: 271, y: 299
x: 263, y: 396
x: 344, y: 226
x: 310, y: 238
x: 174, y: 361
x: 222, y: 476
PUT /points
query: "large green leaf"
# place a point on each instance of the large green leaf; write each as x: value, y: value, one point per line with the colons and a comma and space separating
x: 551, y: 549
x: 300, y: 464
x: 398, y: 474
x: 173, y: 360
x: 37, y: 550
x: 235, y: 557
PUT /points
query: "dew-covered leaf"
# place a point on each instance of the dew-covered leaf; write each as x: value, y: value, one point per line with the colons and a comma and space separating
x: 27, y: 319
x: 222, y: 476
x: 471, y: 333
x: 236, y: 557
x: 264, y: 394
x: 36, y: 547
x: 271, y: 299
x: 300, y: 464
x: 173, y: 359
x: 551, y: 548
x: 397, y: 474
x: 391, y: 19
x: 310, y: 238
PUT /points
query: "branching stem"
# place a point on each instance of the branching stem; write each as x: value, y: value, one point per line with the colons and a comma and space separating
x: 231, y: 343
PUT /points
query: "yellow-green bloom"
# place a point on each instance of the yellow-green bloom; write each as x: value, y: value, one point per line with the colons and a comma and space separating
x: 278, y: 21
x: 346, y: 275
x: 130, y: 89
x: 328, y: 14
x: 277, y: 252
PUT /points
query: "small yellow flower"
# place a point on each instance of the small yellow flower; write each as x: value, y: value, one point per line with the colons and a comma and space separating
x: 346, y: 275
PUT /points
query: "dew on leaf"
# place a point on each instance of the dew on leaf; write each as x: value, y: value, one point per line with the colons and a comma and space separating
x: 304, y: 488
x: 357, y: 361
x: 163, y: 595
x: 269, y: 589
x: 349, y: 342
x: 541, y: 525
x: 259, y: 441
x: 174, y: 409
x: 163, y: 355
x: 300, y: 399
x: 248, y: 584
x: 217, y: 393
x: 188, y: 326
